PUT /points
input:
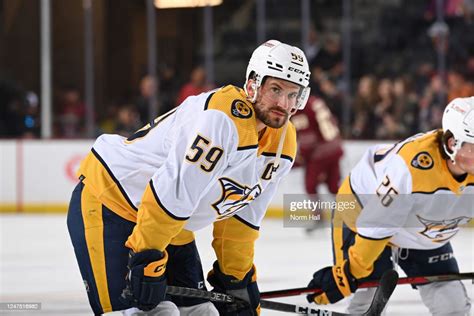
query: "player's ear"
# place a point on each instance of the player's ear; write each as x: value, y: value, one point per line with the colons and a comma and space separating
x: 251, y: 88
x: 451, y: 142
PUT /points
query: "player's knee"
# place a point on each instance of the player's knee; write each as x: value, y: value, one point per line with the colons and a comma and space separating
x: 446, y: 298
x: 201, y: 309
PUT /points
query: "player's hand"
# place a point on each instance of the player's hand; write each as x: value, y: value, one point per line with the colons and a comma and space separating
x: 336, y: 282
x: 246, y: 290
x: 146, y: 281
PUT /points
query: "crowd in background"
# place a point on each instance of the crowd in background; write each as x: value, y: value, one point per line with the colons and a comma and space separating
x: 20, y: 113
x: 396, y: 88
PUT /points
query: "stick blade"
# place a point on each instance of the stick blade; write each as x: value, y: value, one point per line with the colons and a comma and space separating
x: 388, y: 282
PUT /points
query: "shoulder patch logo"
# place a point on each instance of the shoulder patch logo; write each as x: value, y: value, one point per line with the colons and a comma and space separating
x: 422, y: 161
x: 240, y: 109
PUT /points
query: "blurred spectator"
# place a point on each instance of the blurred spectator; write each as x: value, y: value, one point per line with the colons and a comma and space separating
x: 470, y: 68
x: 19, y: 112
x: 406, y: 106
x: 423, y: 73
x: 364, y: 105
x: 447, y: 41
x: 439, y: 33
x: 431, y: 105
x: 458, y: 86
x: 128, y: 121
x: 329, y: 58
x: 71, y: 113
x: 148, y: 88
x: 109, y: 123
x: 196, y: 85
x: 386, y: 126
x: 168, y: 89
x: 314, y: 45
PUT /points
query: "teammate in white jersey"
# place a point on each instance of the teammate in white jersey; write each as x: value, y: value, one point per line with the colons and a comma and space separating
x: 216, y: 159
x: 410, y: 198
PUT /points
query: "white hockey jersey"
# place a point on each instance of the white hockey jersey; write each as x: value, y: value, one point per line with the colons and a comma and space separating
x: 203, y: 162
x: 407, y: 192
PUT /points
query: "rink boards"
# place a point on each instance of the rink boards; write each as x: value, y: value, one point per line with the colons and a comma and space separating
x: 39, y: 176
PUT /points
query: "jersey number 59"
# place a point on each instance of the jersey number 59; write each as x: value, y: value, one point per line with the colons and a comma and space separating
x: 202, y: 152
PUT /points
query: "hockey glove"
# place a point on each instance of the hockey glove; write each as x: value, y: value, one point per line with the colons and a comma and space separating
x: 336, y: 282
x: 246, y: 290
x: 146, y: 281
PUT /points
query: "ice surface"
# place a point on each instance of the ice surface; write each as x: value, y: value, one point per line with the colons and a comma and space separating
x: 38, y: 265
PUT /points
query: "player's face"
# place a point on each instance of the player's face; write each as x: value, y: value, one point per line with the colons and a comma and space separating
x: 465, y: 158
x: 275, y: 101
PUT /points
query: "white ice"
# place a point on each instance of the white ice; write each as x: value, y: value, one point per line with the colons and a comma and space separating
x: 37, y: 264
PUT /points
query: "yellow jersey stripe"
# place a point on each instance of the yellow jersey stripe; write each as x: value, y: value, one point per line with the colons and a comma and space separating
x: 155, y: 228
x: 94, y: 234
x: 103, y: 186
x: 114, y: 179
x: 234, y: 246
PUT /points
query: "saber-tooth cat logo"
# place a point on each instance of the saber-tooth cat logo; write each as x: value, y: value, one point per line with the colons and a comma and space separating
x: 234, y: 197
x: 441, y: 230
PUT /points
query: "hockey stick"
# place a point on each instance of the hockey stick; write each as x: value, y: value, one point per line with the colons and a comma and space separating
x: 226, y: 298
x: 196, y: 293
x: 409, y: 280
x: 211, y: 296
x: 387, y: 285
x: 382, y: 294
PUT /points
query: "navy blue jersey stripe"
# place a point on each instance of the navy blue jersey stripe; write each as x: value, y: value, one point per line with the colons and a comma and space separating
x: 243, y: 221
x: 268, y: 154
x: 163, y: 207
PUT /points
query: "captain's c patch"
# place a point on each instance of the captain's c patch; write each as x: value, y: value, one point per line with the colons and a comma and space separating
x: 240, y: 109
x: 422, y: 161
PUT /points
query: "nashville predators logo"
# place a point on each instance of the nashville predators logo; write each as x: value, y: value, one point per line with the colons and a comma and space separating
x: 442, y: 230
x: 240, y: 109
x: 422, y: 161
x: 234, y: 197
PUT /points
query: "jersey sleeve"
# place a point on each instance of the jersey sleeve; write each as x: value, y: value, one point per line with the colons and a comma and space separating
x: 195, y: 160
x: 388, y: 207
x: 383, y: 215
x: 233, y: 244
x: 254, y: 213
x: 234, y: 238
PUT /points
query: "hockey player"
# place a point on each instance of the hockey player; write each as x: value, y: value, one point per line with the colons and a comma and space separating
x: 214, y: 160
x: 319, y: 145
x: 411, y: 198
x: 319, y: 148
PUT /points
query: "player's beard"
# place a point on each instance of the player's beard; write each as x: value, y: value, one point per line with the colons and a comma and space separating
x: 269, y: 119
